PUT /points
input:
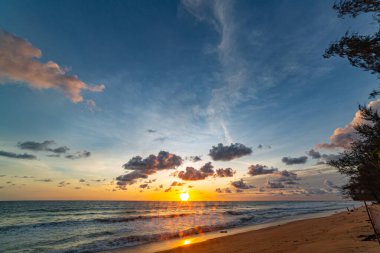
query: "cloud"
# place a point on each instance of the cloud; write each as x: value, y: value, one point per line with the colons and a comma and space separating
x: 43, y: 146
x: 141, y: 168
x: 295, y: 160
x: 35, y: 146
x: 287, y: 175
x: 259, y: 169
x: 227, y: 172
x: 240, y: 184
x: 168, y: 189
x: 343, y: 137
x: 314, y: 154
x: 195, y: 158
x: 225, y: 190
x: 19, y: 63
x: 151, y: 131
x: 161, y: 139
x: 328, y: 158
x: 63, y: 184
x: 261, y: 146
x: 46, y: 180
x: 175, y: 183
x: 228, y: 153
x: 82, y: 180
x: 79, y: 155
x: 330, y: 184
x: 233, y: 74
x: 207, y: 169
x: 143, y: 186
x: 192, y: 174
x: 274, y: 184
x: 17, y: 156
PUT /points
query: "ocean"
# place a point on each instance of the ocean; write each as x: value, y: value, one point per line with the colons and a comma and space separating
x: 90, y: 226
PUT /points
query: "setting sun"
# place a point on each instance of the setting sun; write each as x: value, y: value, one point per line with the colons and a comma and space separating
x: 184, y: 196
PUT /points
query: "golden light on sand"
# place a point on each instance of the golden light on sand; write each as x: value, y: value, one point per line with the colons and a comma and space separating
x: 184, y: 196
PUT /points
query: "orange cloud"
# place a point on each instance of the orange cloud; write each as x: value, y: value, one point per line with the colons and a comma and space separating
x: 18, y: 63
x: 343, y: 136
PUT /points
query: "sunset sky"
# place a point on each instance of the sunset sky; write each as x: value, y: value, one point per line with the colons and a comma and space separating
x: 86, y: 86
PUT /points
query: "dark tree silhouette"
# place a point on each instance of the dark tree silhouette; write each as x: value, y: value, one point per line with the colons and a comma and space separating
x: 361, y: 51
x: 361, y: 162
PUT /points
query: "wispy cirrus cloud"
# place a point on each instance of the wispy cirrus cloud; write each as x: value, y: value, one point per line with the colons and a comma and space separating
x: 19, y: 63
x: 233, y: 74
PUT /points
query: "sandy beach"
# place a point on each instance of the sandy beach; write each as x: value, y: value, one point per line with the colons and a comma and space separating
x: 339, y: 233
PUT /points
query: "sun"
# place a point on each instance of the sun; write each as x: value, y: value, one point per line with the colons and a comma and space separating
x: 184, y: 196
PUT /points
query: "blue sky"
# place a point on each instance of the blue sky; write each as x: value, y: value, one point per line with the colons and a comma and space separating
x: 198, y: 73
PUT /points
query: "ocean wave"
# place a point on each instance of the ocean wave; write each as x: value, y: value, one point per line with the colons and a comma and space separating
x: 143, y: 217
x: 134, y: 240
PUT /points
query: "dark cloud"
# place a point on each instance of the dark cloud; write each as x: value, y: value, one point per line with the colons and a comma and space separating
x: 240, y: 184
x: 225, y: 190
x: 42, y: 146
x: 46, y: 146
x: 161, y: 186
x: 82, y: 180
x: 274, y: 184
x: 227, y: 172
x: 168, y: 189
x: 79, y: 155
x: 77, y: 188
x: 259, y: 169
x: 328, y: 158
x: 260, y: 146
x: 151, y: 131
x: 17, y: 156
x: 207, y: 169
x: 143, y: 186
x: 195, y: 158
x: 287, y: 175
x: 295, y: 160
x: 314, y: 154
x: 3, y: 175
x: 141, y: 168
x: 175, y: 183
x: 63, y: 184
x: 192, y: 174
x: 46, y: 180
x: 59, y: 150
x: 35, y: 146
x: 228, y: 153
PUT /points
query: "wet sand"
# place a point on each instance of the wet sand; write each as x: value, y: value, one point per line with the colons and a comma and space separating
x: 339, y: 233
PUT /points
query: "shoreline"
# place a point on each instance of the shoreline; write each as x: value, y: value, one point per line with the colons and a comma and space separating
x: 187, y: 243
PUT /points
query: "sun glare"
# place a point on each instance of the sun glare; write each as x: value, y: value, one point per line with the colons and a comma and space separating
x: 184, y: 196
